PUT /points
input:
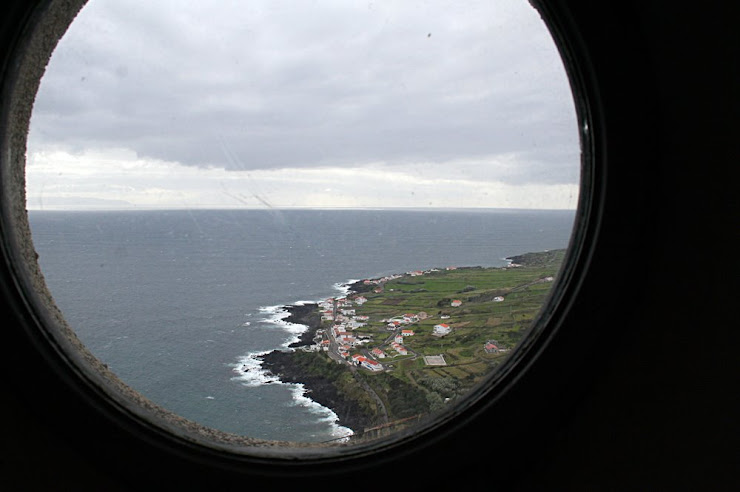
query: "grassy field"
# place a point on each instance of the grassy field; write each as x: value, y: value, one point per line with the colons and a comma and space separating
x: 409, y: 386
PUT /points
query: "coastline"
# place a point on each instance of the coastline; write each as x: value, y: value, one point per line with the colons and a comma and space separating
x: 307, y: 315
x: 284, y: 365
x: 317, y: 388
x: 327, y: 382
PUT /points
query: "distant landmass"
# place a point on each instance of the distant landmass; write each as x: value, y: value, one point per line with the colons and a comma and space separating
x: 77, y: 203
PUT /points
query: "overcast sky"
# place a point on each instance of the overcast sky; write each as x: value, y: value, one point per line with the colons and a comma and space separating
x: 331, y: 103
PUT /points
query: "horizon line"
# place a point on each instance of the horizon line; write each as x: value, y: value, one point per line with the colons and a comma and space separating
x: 268, y: 209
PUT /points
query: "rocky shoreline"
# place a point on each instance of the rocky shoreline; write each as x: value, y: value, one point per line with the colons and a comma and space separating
x: 288, y: 368
x: 319, y: 389
x: 307, y: 315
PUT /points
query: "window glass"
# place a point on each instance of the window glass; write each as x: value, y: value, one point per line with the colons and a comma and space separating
x: 312, y: 222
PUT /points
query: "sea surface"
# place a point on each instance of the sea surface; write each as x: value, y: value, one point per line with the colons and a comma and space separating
x: 178, y: 303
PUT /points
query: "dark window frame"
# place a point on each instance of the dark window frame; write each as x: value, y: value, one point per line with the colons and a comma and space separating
x: 600, y: 47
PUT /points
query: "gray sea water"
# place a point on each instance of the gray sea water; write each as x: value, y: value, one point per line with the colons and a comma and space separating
x: 178, y: 303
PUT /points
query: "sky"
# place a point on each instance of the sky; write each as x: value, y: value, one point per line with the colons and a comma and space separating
x: 322, y: 104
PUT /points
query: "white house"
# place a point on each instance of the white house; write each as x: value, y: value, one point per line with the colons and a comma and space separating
x: 399, y: 348
x: 348, y: 341
x: 441, y: 330
x: 378, y: 353
x: 456, y: 302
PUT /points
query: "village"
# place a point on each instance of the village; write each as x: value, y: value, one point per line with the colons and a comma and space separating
x: 345, y: 338
x: 414, y: 342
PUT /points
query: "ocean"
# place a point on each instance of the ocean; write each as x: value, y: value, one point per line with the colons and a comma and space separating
x: 179, y: 303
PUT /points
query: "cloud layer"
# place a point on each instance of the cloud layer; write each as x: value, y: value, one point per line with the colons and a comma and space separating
x: 475, y: 90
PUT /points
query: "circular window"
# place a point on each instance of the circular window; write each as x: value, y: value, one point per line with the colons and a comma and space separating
x: 278, y: 233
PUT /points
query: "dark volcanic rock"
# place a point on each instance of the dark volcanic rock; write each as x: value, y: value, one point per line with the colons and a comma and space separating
x: 359, y: 287
x: 320, y: 389
x: 307, y: 315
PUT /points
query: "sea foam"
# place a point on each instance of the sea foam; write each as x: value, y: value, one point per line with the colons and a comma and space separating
x: 250, y: 372
x: 300, y: 398
x: 276, y: 316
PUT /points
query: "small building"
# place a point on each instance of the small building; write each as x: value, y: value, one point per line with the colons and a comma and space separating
x: 491, y: 348
x: 407, y: 333
x: 456, y: 303
x: 377, y: 352
x: 399, y: 348
x: 371, y: 365
x: 441, y: 330
x: 360, y: 300
x: 498, y: 299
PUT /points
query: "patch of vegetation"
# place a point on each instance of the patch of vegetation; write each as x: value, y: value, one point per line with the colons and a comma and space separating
x: 498, y: 304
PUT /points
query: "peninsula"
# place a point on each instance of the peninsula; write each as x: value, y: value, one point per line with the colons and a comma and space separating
x: 396, y: 349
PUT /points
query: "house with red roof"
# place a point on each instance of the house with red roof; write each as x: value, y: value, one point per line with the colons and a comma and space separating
x: 371, y: 365
x: 491, y: 348
x: 377, y: 352
x: 441, y: 330
x: 399, y: 348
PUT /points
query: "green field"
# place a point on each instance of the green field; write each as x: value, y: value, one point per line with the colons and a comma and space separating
x: 409, y: 386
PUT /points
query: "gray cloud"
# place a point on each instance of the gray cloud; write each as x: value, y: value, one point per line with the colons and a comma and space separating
x: 250, y: 85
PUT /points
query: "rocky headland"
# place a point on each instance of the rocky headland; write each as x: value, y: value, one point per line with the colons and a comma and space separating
x: 290, y: 367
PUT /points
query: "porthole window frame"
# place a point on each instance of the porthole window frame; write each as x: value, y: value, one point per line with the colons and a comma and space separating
x: 604, y: 64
